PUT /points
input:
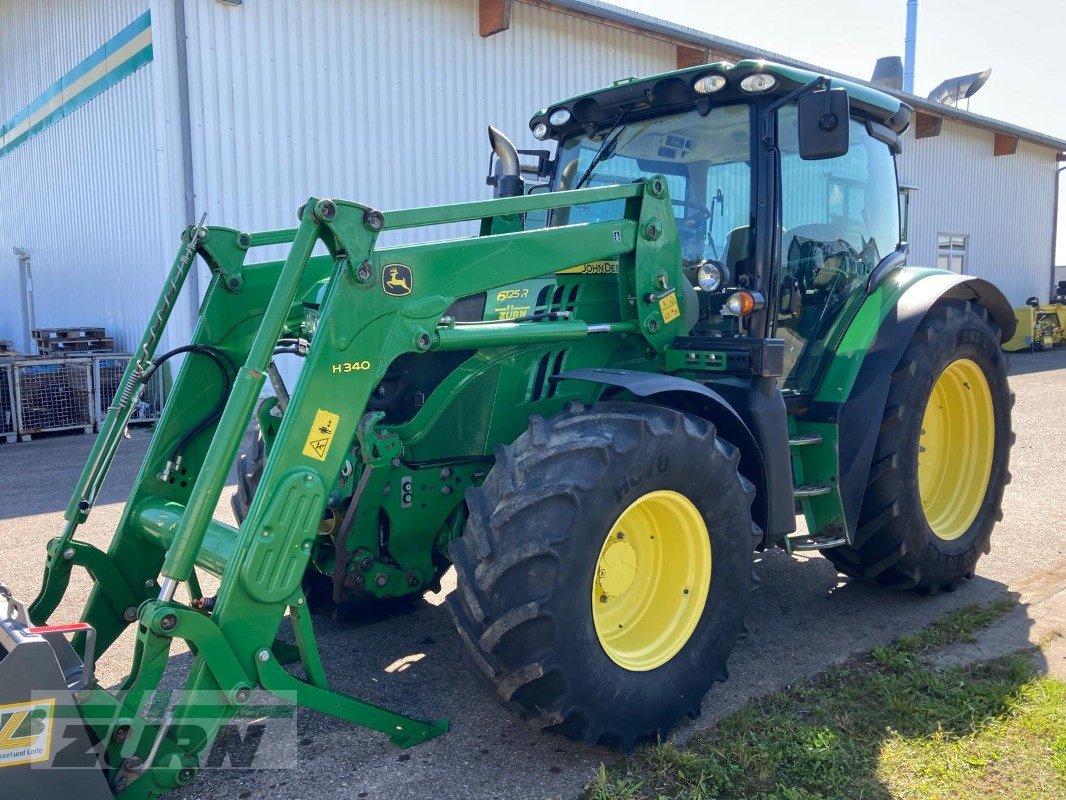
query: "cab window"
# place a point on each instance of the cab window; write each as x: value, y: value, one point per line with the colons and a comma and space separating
x: 839, y: 218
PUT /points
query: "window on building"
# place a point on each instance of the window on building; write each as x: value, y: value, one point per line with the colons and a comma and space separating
x: 951, y: 251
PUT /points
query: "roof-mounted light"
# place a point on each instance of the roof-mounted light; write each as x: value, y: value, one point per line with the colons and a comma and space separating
x: 708, y: 84
x: 758, y: 82
x: 540, y: 130
x: 560, y: 116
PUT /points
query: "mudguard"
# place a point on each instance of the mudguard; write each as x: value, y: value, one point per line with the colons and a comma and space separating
x: 853, y: 393
x: 754, y: 420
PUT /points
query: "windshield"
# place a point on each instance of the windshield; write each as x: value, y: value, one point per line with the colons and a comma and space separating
x: 706, y: 160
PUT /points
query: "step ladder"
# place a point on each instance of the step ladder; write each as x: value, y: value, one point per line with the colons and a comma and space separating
x: 814, y: 469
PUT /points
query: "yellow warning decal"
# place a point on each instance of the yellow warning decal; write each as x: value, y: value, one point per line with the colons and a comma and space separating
x: 668, y: 308
x: 320, y: 437
x: 592, y: 268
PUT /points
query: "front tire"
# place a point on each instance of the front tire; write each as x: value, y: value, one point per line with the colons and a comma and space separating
x: 605, y: 571
x: 941, y: 462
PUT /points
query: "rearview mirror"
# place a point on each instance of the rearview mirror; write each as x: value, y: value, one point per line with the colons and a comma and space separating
x: 823, y: 124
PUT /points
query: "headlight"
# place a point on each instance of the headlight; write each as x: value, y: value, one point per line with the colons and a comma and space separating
x: 742, y: 303
x: 559, y: 117
x: 710, y: 276
x: 540, y: 130
x: 758, y: 82
x: 708, y: 84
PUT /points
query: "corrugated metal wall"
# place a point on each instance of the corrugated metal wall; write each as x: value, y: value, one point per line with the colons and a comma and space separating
x: 382, y: 101
x: 83, y: 197
x: 1003, y: 204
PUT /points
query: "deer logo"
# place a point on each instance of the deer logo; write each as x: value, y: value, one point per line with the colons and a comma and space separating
x: 397, y: 280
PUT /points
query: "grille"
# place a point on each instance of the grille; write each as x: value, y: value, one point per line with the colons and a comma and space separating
x: 53, y: 395
x: 7, y: 403
x: 107, y: 379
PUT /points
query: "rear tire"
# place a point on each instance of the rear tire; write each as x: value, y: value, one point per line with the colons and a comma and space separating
x: 530, y: 571
x: 900, y: 542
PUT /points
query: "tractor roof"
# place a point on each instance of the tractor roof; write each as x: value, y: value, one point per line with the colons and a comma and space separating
x: 673, y: 90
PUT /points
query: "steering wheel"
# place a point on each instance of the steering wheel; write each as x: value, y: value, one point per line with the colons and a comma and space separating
x: 699, y: 215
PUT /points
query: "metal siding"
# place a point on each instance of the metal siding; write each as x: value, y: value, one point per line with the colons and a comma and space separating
x: 1003, y: 204
x: 83, y: 197
x: 382, y: 102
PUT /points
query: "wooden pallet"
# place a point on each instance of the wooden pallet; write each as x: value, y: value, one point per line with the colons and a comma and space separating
x: 84, y: 345
x: 68, y: 333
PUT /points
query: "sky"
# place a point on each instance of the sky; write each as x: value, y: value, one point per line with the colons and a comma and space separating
x: 1021, y: 40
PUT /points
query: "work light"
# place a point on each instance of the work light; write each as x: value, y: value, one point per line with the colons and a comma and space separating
x: 758, y: 82
x: 559, y: 117
x: 708, y: 84
x: 540, y: 130
x: 710, y: 276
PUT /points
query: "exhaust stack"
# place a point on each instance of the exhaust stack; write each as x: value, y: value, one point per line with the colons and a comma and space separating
x: 508, y: 173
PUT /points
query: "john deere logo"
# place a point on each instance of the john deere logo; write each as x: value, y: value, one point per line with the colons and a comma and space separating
x: 397, y: 280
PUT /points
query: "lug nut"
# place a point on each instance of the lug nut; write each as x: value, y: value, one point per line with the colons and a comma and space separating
x: 381, y: 579
x: 366, y: 564
x: 68, y: 554
x: 243, y: 695
x: 263, y: 655
x: 130, y: 614
x: 169, y: 622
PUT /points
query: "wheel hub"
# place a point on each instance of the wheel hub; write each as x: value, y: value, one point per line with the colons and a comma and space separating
x: 617, y: 568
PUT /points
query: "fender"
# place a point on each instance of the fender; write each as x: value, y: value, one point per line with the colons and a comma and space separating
x: 855, y: 388
x: 758, y: 430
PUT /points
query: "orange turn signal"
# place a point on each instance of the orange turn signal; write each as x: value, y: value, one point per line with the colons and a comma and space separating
x: 742, y: 303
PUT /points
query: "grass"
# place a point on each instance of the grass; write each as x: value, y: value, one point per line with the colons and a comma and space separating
x: 884, y: 725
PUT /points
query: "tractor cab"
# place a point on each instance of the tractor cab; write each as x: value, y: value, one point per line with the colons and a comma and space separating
x: 782, y: 184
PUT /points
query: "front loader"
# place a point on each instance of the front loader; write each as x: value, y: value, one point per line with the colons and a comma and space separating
x: 596, y: 407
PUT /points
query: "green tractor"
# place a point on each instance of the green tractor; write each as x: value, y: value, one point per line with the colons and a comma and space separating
x: 692, y: 320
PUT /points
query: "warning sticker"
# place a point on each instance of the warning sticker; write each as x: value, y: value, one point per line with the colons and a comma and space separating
x: 320, y: 437
x: 26, y: 732
x: 668, y: 308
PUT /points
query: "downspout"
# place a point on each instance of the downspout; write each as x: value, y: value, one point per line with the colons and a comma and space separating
x: 1055, y: 233
x: 185, y: 130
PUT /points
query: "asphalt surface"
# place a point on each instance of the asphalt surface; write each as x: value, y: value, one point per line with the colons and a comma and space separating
x: 804, y: 618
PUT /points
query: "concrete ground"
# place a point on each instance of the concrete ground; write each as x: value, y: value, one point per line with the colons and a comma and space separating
x: 804, y: 618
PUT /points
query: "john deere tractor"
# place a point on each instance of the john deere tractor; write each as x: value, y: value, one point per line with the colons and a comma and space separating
x: 687, y: 317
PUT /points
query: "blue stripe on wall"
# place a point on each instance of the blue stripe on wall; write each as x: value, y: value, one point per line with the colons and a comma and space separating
x: 115, y: 73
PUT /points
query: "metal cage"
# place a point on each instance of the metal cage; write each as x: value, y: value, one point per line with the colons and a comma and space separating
x: 107, y: 378
x: 53, y: 395
x: 7, y: 402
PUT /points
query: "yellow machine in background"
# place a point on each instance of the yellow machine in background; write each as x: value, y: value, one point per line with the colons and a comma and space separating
x: 1040, y: 327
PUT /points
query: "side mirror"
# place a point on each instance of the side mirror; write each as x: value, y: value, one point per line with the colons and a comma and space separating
x: 823, y: 124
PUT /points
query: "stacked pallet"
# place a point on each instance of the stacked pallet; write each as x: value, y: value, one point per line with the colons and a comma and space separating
x: 64, y: 341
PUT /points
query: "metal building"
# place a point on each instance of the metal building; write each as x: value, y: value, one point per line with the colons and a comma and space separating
x: 122, y: 120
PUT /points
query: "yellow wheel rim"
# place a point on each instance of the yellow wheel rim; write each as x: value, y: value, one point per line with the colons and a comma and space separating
x: 955, y: 449
x: 651, y: 581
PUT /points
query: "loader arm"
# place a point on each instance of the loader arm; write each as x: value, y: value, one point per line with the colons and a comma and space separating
x: 371, y: 313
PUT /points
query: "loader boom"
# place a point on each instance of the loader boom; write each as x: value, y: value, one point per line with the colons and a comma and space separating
x: 167, y: 531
